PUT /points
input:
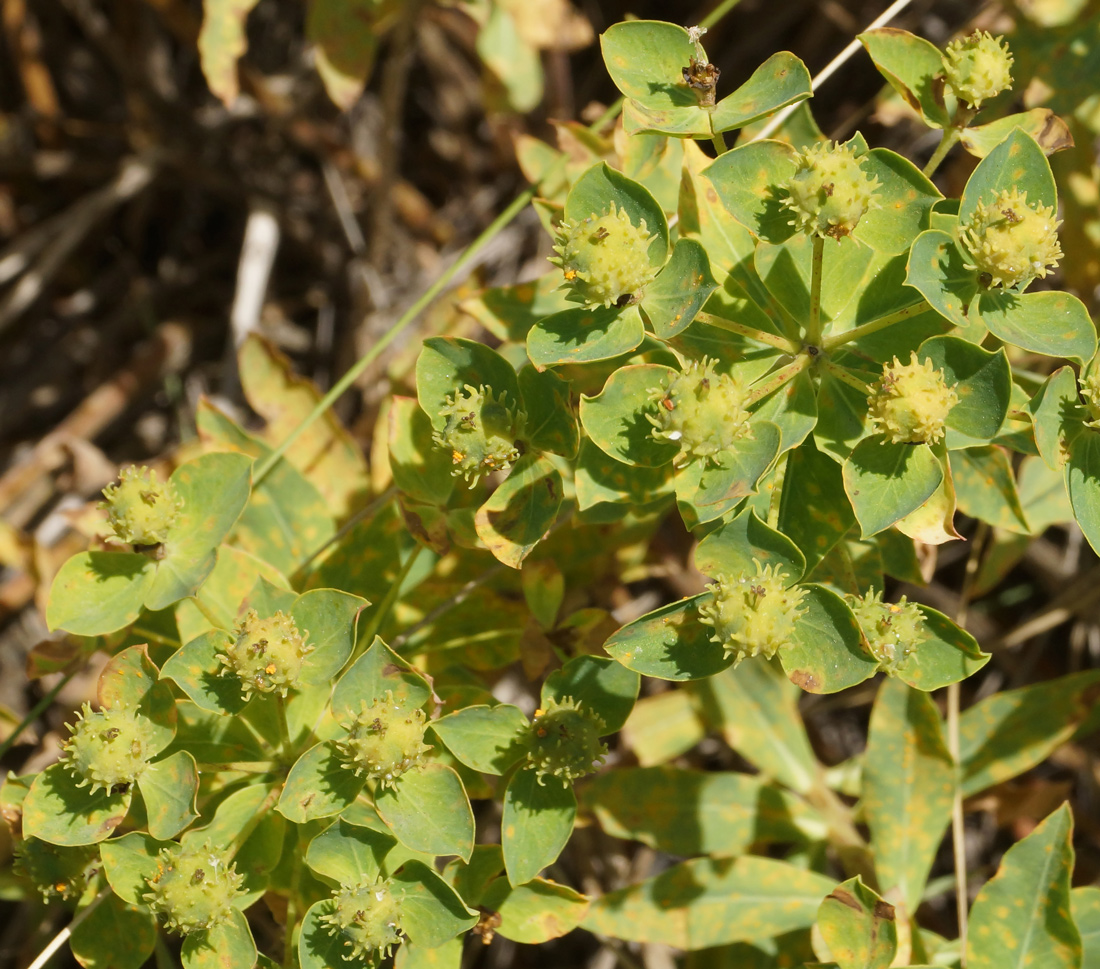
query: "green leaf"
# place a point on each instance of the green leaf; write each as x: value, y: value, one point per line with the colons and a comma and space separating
x: 446, y: 364
x: 1010, y: 732
x: 813, y: 509
x: 129, y: 863
x: 1043, y: 495
x: 234, y: 577
x: 938, y: 270
x: 912, y: 65
x: 420, y: 468
x: 214, y: 489
x: 1082, y: 475
x: 227, y: 944
x: 748, y: 181
x: 1055, y: 415
x: 1021, y: 916
x: 1050, y: 132
x: 663, y: 726
x: 986, y: 488
x: 536, y: 823
x: 57, y: 811
x: 488, y: 739
x: 197, y: 671
x: 318, y: 946
x: 983, y: 382
x: 513, y: 61
x: 673, y: 299
x: 949, y: 655
x: 786, y: 270
x: 1050, y: 322
x: 885, y: 482
x: 551, y: 425
x: 584, y: 336
x: 603, y: 686
x: 593, y: 193
x: 319, y: 785
x: 349, y: 854
x: 374, y: 673
x: 781, y: 80
x: 326, y: 619
x: 712, y: 901
x: 431, y: 912
x: 428, y: 810
x: 826, y: 652
x: 908, y: 783
x: 1085, y: 905
x: 792, y: 408
x: 706, y: 491
x: 345, y: 41
x: 601, y: 479
x: 645, y: 59
x: 905, y: 198
x: 169, y: 788
x: 735, y: 545
x: 98, y: 592
x: 756, y: 709
x: 536, y: 912
x: 221, y: 42
x: 616, y: 418
x: 859, y: 928
x: 669, y: 643
x: 686, y: 812
x: 116, y: 935
x: 1017, y: 162
x: 520, y: 512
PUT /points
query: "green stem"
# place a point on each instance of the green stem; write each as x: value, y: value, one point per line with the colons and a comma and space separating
x: 845, y: 376
x: 760, y: 336
x: 777, y: 379
x: 719, y: 141
x: 865, y: 329
x: 392, y: 593
x: 253, y: 822
x: 813, y: 330
x: 947, y: 142
x: 718, y: 13
x: 36, y: 711
x: 243, y: 766
x: 284, y: 730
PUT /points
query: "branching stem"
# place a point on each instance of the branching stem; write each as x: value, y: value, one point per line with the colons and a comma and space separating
x: 813, y: 329
x: 865, y: 329
x: 777, y: 379
x: 760, y: 336
x: 947, y: 142
x: 845, y: 376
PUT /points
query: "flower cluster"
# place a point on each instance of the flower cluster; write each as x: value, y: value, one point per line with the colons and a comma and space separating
x: 194, y: 887
x: 910, y: 402
x: 1010, y: 240
x: 107, y: 748
x: 978, y: 67
x: 266, y: 654
x: 753, y: 615
x: 141, y: 509
x: 384, y: 739
x: 892, y: 630
x: 700, y: 410
x: 605, y: 258
x: 564, y: 741
x: 830, y: 192
x: 481, y: 431
x: 367, y: 920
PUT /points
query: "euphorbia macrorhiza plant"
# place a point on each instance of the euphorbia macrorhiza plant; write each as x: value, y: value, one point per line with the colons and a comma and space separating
x: 802, y: 350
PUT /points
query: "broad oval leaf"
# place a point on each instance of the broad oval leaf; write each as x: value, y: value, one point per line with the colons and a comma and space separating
x: 536, y: 823
x: 826, y: 652
x: 885, y: 482
x: 670, y: 643
x: 428, y: 810
x: 584, y: 336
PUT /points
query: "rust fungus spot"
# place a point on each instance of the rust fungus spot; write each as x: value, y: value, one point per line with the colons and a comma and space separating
x: 884, y: 910
x: 804, y: 679
x: 846, y: 898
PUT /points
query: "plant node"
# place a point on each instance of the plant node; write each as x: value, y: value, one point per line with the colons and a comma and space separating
x: 564, y: 741
x: 194, y: 887
x: 702, y: 411
x: 1011, y: 240
x: 830, y: 192
x: 266, y: 654
x: 107, y: 748
x: 367, y: 919
x: 482, y: 432
x: 141, y: 509
x: 384, y: 740
x: 891, y: 630
x: 605, y: 258
x: 910, y: 402
x: 755, y: 614
x: 978, y: 67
